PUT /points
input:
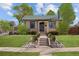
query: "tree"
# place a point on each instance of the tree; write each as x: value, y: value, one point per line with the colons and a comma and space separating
x: 67, y: 14
x: 50, y: 12
x: 12, y: 23
x: 22, y: 10
x: 22, y: 29
x: 5, y: 25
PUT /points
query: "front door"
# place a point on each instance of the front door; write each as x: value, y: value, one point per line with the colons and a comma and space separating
x: 41, y: 26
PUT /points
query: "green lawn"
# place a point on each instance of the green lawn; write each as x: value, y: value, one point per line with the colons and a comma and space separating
x: 19, y: 53
x: 69, y: 40
x: 19, y: 40
x: 65, y: 54
x: 14, y: 40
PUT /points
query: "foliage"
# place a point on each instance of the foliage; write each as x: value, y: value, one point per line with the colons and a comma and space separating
x: 35, y: 37
x: 22, y: 10
x: 12, y: 23
x: 14, y: 40
x: 49, y: 35
x: 63, y: 27
x: 5, y: 26
x: 22, y: 29
x: 50, y: 12
x: 67, y: 14
x: 52, y: 37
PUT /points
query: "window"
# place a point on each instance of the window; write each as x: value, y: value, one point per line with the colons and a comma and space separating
x: 51, y: 25
x: 32, y: 24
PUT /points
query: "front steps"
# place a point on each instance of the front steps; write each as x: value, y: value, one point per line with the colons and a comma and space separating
x: 43, y: 40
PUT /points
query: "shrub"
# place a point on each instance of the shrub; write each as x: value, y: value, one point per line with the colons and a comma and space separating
x: 22, y: 29
x: 35, y: 37
x: 5, y: 26
x: 54, y: 33
x: 52, y: 37
x: 32, y: 32
x: 49, y: 35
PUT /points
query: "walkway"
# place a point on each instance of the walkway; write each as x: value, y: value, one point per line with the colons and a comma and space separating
x: 43, y: 50
x: 53, y: 50
x: 43, y: 40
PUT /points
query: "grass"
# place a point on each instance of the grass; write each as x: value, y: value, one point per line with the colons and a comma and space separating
x: 19, y: 40
x: 69, y: 40
x: 65, y: 54
x: 14, y: 40
x: 19, y: 53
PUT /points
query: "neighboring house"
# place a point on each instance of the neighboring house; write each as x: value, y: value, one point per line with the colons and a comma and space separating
x: 39, y: 24
x: 74, y: 29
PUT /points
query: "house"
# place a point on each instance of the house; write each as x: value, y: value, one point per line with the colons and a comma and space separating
x: 40, y: 24
x: 74, y: 30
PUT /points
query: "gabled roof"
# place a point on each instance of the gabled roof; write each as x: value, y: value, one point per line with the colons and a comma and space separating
x: 40, y: 18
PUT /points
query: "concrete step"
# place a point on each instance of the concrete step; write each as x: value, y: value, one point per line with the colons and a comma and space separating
x: 43, y: 42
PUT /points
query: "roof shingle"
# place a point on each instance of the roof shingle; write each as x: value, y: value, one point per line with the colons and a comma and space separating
x: 40, y: 18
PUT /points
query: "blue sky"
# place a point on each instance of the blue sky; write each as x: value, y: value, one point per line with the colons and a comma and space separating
x: 6, y: 11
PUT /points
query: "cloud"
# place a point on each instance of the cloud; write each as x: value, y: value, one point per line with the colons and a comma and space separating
x: 76, y: 7
x: 76, y: 10
x: 40, y: 4
x: 6, y: 6
x: 39, y: 8
x: 44, y: 8
x: 76, y: 19
x: 10, y: 13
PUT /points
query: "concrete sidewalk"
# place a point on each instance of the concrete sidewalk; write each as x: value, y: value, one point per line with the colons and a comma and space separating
x: 43, y: 50
x: 53, y: 50
x: 16, y: 49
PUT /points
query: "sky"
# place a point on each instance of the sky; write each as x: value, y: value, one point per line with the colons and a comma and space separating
x: 6, y: 11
